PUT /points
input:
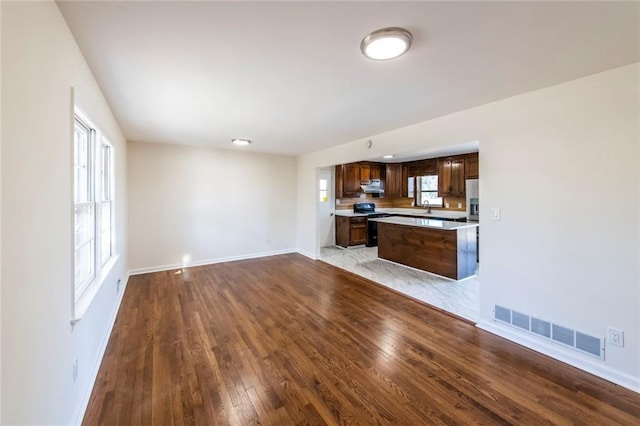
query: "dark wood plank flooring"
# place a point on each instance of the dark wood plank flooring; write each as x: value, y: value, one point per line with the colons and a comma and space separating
x: 287, y: 340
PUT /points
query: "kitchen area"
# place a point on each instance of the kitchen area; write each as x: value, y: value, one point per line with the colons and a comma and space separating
x: 412, y: 226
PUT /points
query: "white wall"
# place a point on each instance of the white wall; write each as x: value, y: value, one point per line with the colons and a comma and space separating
x: 40, y: 64
x: 563, y: 165
x: 0, y: 215
x: 207, y: 204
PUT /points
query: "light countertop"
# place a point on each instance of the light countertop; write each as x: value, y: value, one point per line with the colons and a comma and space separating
x: 350, y: 213
x: 426, y: 223
x: 447, y: 214
x: 413, y: 212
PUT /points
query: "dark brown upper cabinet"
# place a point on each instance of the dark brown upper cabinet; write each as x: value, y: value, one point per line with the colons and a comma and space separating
x: 339, y: 181
x: 365, y: 173
x: 376, y: 171
x: 422, y: 167
x: 350, y: 176
x: 347, y: 180
x: 471, y: 166
x: 452, y: 172
x: 352, y: 179
x: 451, y: 177
x: 369, y: 172
x: 393, y: 180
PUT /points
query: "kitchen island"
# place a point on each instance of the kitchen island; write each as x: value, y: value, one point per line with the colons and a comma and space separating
x: 442, y: 247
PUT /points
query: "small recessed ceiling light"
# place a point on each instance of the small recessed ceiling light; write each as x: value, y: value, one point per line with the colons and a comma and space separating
x: 388, y: 156
x: 240, y: 142
x: 385, y: 44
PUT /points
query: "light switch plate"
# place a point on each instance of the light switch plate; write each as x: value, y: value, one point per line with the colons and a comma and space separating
x: 495, y: 214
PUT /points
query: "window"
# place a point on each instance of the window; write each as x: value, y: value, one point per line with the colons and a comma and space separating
x: 323, y: 191
x: 423, y: 189
x: 93, y: 206
x: 105, y: 204
x: 83, y: 208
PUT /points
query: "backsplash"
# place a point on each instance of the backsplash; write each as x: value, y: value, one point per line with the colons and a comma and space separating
x: 347, y: 203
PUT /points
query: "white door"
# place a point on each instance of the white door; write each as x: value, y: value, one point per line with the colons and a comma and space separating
x: 326, y: 208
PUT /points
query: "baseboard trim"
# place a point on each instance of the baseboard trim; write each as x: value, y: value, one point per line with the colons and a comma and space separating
x: 209, y: 261
x: 590, y: 366
x: 86, y: 395
x: 307, y: 254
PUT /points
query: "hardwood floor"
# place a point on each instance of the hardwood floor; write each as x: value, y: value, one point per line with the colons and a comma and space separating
x: 287, y: 340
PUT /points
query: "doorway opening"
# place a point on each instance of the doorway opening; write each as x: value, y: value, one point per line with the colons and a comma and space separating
x: 462, y: 297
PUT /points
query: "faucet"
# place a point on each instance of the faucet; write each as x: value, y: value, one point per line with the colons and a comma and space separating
x: 428, y: 207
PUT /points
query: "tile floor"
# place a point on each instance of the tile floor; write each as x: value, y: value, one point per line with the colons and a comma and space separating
x: 459, y: 297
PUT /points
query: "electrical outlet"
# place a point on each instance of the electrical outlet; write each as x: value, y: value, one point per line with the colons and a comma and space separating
x: 495, y: 214
x: 446, y: 205
x: 75, y: 370
x: 459, y: 205
x: 615, y: 337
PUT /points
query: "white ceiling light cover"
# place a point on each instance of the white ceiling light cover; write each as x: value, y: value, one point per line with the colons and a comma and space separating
x: 386, y: 44
x: 240, y: 142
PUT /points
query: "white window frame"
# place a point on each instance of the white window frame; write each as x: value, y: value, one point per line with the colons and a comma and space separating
x: 415, y: 182
x: 83, y: 293
x: 80, y: 288
x: 104, y: 143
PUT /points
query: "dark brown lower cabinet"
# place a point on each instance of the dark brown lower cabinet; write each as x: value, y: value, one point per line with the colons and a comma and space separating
x: 358, y: 231
x: 351, y: 231
x: 450, y: 253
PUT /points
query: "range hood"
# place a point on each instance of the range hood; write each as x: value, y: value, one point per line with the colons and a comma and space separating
x: 372, y: 188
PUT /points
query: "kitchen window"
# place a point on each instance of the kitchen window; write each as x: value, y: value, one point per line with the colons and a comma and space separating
x: 424, y: 189
x: 93, y: 212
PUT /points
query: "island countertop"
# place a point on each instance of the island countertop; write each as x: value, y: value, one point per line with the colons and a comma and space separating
x: 426, y: 223
x: 420, y: 213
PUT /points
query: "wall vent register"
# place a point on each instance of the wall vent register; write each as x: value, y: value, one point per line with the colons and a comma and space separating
x: 591, y: 345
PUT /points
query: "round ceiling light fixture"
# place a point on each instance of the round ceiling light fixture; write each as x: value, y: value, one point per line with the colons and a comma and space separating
x: 240, y: 142
x: 385, y: 44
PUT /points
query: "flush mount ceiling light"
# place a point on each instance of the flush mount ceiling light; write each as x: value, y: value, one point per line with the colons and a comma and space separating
x: 385, y: 44
x: 388, y: 156
x: 240, y: 142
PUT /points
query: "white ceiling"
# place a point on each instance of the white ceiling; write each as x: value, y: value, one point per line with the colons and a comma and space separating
x: 290, y: 75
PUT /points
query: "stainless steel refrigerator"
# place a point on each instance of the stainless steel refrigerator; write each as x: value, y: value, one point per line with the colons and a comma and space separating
x: 473, y: 199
